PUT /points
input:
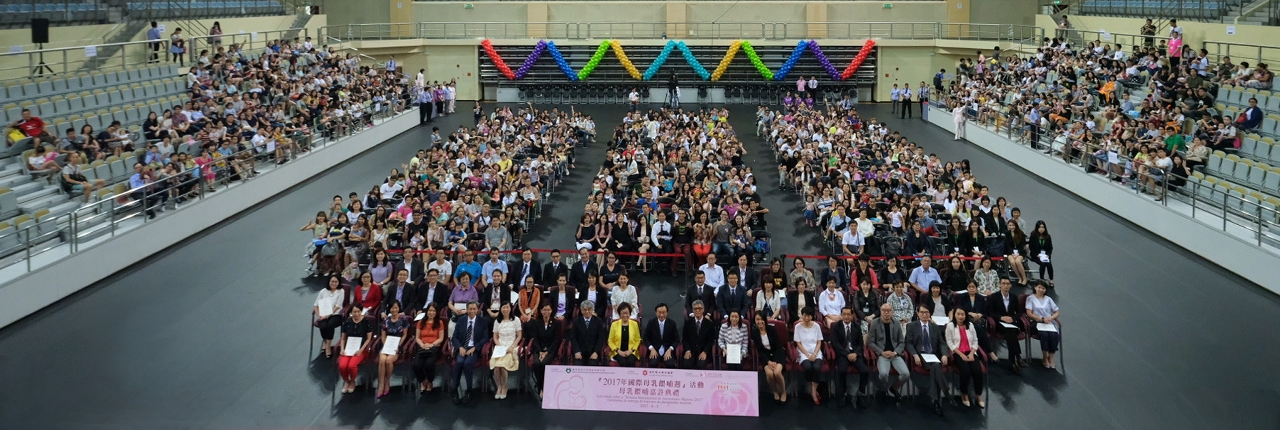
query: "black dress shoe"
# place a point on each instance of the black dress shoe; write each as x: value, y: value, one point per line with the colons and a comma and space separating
x: 1016, y: 369
x: 937, y: 408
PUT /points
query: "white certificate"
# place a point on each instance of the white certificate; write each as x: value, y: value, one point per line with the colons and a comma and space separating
x: 353, y: 346
x: 1046, y: 327
x: 420, y: 316
x: 1044, y: 258
x: 1007, y: 325
x: 461, y: 307
x: 930, y: 358
x: 940, y: 320
x: 500, y: 350
x: 733, y: 354
x: 390, y: 346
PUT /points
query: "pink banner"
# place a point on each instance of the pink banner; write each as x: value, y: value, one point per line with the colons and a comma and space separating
x: 667, y: 391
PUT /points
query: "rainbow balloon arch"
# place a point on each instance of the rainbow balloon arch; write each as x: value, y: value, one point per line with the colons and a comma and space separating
x: 549, y: 47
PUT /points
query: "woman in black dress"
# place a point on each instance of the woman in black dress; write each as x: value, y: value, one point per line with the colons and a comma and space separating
x: 545, y: 332
x: 773, y: 353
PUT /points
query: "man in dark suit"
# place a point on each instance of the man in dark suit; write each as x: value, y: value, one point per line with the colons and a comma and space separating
x: 400, y: 291
x: 733, y: 296
x: 526, y: 267
x: 470, y: 335
x: 884, y: 336
x: 588, y: 337
x: 1005, y: 308
x: 579, y: 271
x: 698, y: 339
x: 553, y: 269
x: 846, y: 338
x: 747, y: 276
x: 432, y: 291
x: 414, y: 265
x: 568, y: 301
x: 662, y: 337
x: 925, y: 337
x: 699, y: 291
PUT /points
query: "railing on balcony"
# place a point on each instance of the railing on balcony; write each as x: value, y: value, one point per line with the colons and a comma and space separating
x: 723, y: 30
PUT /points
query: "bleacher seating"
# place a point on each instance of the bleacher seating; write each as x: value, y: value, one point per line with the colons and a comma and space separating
x: 1205, y: 9
x: 58, y: 12
x: 202, y: 9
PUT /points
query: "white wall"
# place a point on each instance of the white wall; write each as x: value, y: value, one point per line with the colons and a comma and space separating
x: 24, y: 296
x: 1220, y: 248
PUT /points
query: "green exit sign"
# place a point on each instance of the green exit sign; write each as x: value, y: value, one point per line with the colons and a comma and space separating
x: 888, y: 5
x: 468, y: 6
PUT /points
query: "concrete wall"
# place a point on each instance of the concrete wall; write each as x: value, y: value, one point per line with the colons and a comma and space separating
x: 484, y: 11
x: 1002, y: 12
x: 346, y: 12
x: 873, y: 11
x: 1217, y: 247
x: 443, y: 60
x: 46, y: 286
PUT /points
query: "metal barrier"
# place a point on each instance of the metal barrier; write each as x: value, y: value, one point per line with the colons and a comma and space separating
x: 1200, y: 10
x: 1081, y: 38
x: 1228, y: 211
x: 118, y: 213
x: 1238, y: 52
x: 71, y: 60
x: 660, y: 30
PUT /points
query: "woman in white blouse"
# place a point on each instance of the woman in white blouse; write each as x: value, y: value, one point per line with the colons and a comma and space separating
x: 624, y: 292
x: 769, y: 301
x: 1043, y: 310
x: 830, y: 301
x: 808, y: 338
x: 328, y: 312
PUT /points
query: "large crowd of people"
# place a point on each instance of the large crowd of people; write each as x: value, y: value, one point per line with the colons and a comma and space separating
x: 674, y: 195
x: 239, y: 106
x: 1074, y: 101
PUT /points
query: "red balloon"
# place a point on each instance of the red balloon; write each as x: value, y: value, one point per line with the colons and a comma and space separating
x: 497, y: 60
x: 857, y: 61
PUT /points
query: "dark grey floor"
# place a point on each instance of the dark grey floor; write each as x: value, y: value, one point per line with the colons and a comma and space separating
x: 214, y: 334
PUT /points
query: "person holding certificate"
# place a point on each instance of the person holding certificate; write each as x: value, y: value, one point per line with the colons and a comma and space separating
x: 394, y: 328
x: 357, y: 334
x: 430, y: 337
x: 962, y: 340
x: 624, y: 336
x: 1043, y: 312
x: 733, y: 341
x: 506, y: 348
x: 328, y: 313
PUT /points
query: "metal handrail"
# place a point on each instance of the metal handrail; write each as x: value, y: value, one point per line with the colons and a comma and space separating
x: 1262, y: 222
x: 658, y: 30
x: 70, y: 60
x: 1238, y: 52
x: 106, y: 217
x: 1200, y: 10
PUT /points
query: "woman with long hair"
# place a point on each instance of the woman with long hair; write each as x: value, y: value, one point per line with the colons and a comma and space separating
x: 773, y: 353
x: 962, y: 340
x: 1041, y: 245
x: 430, y: 338
x: 506, y: 333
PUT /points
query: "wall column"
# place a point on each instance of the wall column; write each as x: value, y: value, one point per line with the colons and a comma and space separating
x: 677, y: 19
x: 537, y: 18
x: 815, y: 13
x: 957, y: 14
x: 401, y: 19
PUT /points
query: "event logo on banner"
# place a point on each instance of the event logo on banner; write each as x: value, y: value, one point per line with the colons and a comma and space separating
x: 668, y: 391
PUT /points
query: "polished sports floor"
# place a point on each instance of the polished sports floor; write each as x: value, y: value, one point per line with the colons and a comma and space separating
x: 214, y: 334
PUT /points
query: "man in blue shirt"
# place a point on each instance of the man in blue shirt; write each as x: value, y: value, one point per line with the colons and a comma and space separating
x: 468, y: 265
x: 140, y: 189
x: 424, y: 106
x: 494, y: 264
x: 153, y: 37
x: 923, y: 276
x: 1033, y: 125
